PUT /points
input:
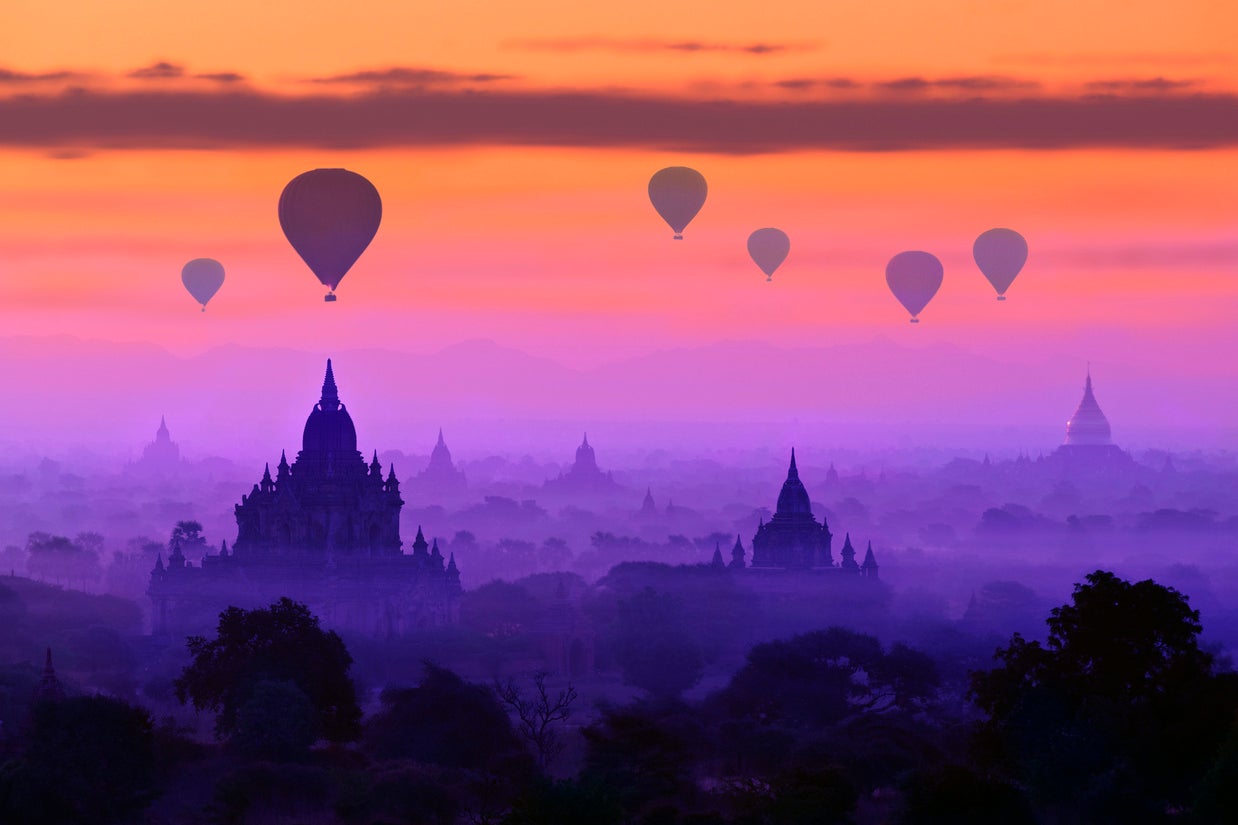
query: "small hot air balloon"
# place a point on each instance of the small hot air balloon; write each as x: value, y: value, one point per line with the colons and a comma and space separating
x: 768, y: 248
x: 1000, y: 254
x: 677, y: 193
x: 202, y: 277
x: 330, y: 216
x: 914, y: 278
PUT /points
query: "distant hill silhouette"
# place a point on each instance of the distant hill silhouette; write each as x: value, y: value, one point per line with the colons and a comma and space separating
x: 879, y: 392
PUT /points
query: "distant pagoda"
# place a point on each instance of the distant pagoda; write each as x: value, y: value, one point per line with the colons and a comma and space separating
x: 325, y: 531
x: 1088, y: 426
x: 584, y: 477
x: 794, y: 540
x: 441, y: 476
x: 161, y: 457
x: 1088, y: 449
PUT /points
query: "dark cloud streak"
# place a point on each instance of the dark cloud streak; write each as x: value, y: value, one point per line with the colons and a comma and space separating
x: 1151, y: 84
x: 10, y: 77
x: 158, y: 71
x: 405, y: 76
x: 652, y: 46
x: 222, y: 77
x: 84, y: 119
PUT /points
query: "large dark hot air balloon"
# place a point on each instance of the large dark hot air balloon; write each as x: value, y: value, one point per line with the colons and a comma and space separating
x: 330, y: 216
x: 1000, y: 254
x: 914, y: 278
x: 677, y: 193
x: 768, y: 248
x: 202, y: 277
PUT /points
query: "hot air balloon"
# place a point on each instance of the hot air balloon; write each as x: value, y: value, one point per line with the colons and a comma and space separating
x: 330, y: 216
x: 677, y: 193
x: 202, y: 277
x: 914, y: 278
x: 1000, y: 254
x: 769, y: 248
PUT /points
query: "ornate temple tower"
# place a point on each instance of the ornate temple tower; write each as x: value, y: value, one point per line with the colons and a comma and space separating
x: 584, y: 476
x: 1088, y: 427
x: 162, y: 456
x: 793, y: 538
x: 326, y: 503
x: 441, y: 475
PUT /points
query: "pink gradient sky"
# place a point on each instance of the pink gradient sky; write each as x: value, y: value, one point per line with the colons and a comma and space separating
x: 1122, y: 178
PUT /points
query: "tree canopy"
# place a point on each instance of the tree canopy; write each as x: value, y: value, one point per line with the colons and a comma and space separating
x: 1119, y: 710
x: 280, y: 643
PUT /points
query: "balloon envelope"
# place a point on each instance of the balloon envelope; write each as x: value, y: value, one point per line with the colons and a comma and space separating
x: 677, y: 193
x: 914, y: 278
x: 769, y: 248
x: 1000, y: 254
x: 330, y: 216
x: 202, y: 277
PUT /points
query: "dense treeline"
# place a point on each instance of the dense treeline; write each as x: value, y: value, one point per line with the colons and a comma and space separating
x: 1117, y: 714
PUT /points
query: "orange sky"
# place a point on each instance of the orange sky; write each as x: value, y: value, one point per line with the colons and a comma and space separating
x: 555, y: 248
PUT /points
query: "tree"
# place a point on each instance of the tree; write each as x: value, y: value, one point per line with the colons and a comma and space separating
x: 276, y: 722
x: 86, y: 759
x: 539, y: 714
x: 651, y: 647
x: 820, y: 678
x: 1119, y: 711
x: 954, y: 795
x: 60, y: 559
x: 189, y: 535
x: 447, y: 721
x: 280, y: 643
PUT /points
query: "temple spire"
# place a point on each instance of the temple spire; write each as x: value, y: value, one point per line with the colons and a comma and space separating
x: 49, y: 686
x: 441, y: 443
x: 330, y: 395
x: 793, y: 471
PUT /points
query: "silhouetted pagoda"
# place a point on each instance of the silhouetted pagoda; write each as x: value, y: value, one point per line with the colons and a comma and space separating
x: 584, y: 477
x: 161, y: 457
x: 794, y: 540
x: 326, y: 531
x: 1089, y: 447
x: 441, y: 476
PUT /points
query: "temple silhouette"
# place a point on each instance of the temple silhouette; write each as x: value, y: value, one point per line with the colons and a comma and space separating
x: 161, y: 457
x: 793, y: 539
x: 441, y: 476
x: 325, y: 531
x: 584, y: 477
x: 1088, y: 448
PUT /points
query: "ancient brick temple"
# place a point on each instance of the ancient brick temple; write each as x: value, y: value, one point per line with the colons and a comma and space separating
x: 325, y: 531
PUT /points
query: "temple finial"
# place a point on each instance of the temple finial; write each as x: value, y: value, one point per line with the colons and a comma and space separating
x: 330, y: 395
x: 793, y: 471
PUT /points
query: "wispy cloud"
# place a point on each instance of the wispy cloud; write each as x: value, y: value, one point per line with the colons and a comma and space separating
x: 11, y: 77
x: 967, y: 83
x: 158, y: 71
x: 800, y: 84
x: 410, y: 76
x: 410, y: 117
x: 1151, y: 84
x: 654, y: 46
x: 222, y: 77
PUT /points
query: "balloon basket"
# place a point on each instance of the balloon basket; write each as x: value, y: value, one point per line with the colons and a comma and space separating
x: 769, y: 279
x: 915, y: 320
x: 329, y: 297
x: 1001, y: 297
x: 678, y: 237
x: 204, y: 307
